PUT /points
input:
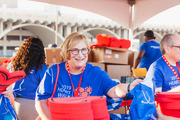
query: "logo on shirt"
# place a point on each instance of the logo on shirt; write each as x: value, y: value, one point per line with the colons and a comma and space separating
x: 155, y: 47
x: 174, y: 82
x: 83, y: 92
x: 173, y: 78
x: 66, y: 91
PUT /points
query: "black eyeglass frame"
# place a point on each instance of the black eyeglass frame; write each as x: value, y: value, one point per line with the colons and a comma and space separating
x: 77, y: 50
x: 176, y: 46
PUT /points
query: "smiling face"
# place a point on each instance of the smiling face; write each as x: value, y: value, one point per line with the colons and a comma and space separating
x: 75, y: 50
x: 80, y: 59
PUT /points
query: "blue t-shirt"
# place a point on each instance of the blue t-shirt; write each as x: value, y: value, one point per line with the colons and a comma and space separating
x: 95, y: 82
x: 162, y: 76
x: 26, y: 87
x: 152, y: 53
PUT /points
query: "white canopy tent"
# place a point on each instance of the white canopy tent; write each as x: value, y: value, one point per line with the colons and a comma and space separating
x: 129, y: 13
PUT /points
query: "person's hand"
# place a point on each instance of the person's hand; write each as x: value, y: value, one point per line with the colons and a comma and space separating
x: 135, y: 82
x: 132, y: 70
x: 9, y: 94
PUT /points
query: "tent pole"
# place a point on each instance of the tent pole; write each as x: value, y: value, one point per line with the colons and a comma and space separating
x: 56, y: 24
x: 131, y: 21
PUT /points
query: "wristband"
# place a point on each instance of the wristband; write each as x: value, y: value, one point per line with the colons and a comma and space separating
x: 128, y: 88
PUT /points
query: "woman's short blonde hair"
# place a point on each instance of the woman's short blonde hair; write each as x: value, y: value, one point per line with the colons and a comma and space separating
x: 72, y: 40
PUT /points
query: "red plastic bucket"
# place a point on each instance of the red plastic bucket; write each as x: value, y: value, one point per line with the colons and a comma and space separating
x: 70, y: 104
x: 73, y: 115
x: 70, y: 108
x: 169, y: 103
x: 79, y: 108
x: 99, y: 107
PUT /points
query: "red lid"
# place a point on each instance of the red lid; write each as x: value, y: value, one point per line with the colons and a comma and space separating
x: 59, y: 109
x: 96, y: 99
x: 168, y: 94
x: 170, y: 105
x: 174, y: 113
x: 69, y: 102
x: 78, y: 107
x: 166, y: 99
x: 126, y: 103
x: 72, y: 114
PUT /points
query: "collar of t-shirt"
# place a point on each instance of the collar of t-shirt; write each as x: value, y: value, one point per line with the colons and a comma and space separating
x: 151, y: 40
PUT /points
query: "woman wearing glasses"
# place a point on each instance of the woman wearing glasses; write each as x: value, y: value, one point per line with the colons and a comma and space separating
x: 165, y: 72
x: 76, y: 77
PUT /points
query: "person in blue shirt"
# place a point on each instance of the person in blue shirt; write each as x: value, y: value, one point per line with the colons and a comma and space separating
x: 165, y: 71
x: 30, y: 58
x: 76, y: 77
x: 149, y: 51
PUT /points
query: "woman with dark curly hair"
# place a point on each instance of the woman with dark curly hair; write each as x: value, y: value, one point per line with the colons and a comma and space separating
x: 31, y: 59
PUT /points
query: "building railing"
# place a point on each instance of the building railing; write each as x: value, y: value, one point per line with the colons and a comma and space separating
x: 7, y: 14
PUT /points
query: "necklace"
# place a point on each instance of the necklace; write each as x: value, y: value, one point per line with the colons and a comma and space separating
x: 75, y: 91
x: 175, y: 73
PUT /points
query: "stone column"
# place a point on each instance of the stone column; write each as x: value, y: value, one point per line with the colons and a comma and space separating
x: 60, y: 29
x: 80, y: 28
x: 74, y: 28
x: 113, y: 30
x: 52, y: 25
x: 20, y: 34
x: 1, y: 26
x: 9, y: 24
x: 67, y: 30
x: 118, y: 32
x: 4, y: 46
x: 125, y: 33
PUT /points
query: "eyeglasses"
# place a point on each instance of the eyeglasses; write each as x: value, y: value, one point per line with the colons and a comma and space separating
x: 176, y: 46
x: 75, y: 51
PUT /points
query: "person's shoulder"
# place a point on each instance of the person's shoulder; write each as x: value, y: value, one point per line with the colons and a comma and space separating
x: 44, y: 66
x: 89, y: 66
x: 143, y: 45
x: 158, y: 63
x: 55, y: 65
x: 93, y: 70
x: 156, y: 42
x: 149, y: 42
x: 42, y: 69
x: 53, y: 69
x: 92, y: 67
